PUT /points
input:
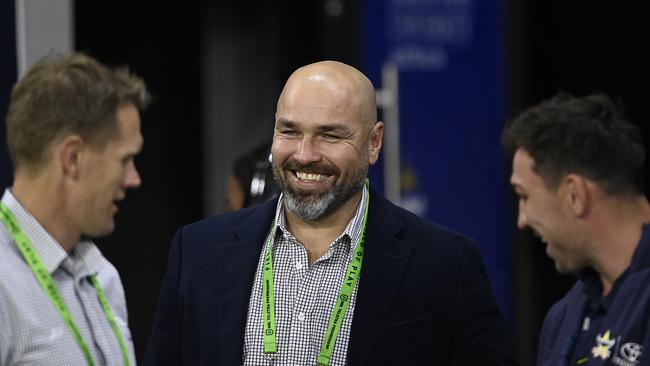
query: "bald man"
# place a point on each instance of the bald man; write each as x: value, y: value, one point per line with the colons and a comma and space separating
x: 330, y: 273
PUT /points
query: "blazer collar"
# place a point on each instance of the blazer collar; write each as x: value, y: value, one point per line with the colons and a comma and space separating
x: 237, y: 262
x: 384, y: 263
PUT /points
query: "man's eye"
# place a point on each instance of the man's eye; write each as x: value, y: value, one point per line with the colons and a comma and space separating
x: 330, y: 137
x: 289, y: 132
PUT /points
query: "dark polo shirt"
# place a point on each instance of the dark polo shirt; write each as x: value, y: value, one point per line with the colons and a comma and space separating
x: 585, y: 328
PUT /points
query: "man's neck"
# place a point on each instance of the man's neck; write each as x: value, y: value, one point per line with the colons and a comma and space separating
x: 317, y: 235
x: 618, y: 238
x: 40, y: 198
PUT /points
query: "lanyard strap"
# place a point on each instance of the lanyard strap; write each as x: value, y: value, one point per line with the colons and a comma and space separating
x: 340, y: 308
x: 49, y: 287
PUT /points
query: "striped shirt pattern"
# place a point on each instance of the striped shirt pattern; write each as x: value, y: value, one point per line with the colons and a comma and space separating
x: 304, y: 297
x: 31, y: 330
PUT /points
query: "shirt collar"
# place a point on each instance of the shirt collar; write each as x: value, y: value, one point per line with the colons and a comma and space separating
x: 641, y: 257
x: 46, y: 246
x: 593, y: 290
x: 352, y: 230
x: 593, y: 287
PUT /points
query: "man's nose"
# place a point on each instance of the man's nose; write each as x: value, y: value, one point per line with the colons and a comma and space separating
x: 308, y: 151
x: 522, y: 221
x: 132, y: 178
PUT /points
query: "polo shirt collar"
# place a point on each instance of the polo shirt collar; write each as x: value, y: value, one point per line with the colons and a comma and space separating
x: 641, y: 257
x: 593, y: 287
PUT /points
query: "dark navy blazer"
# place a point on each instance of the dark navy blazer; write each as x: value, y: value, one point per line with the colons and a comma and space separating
x: 424, y: 297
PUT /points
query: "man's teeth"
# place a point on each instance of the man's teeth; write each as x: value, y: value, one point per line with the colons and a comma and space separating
x: 310, y: 176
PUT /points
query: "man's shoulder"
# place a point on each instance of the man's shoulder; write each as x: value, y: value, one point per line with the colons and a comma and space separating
x: 572, y: 296
x: 10, y: 257
x: 423, y: 231
x: 226, y: 224
x: 557, y: 314
x: 14, y: 271
x: 432, y: 247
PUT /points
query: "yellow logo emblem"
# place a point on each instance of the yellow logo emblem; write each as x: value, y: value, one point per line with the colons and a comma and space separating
x: 605, y: 344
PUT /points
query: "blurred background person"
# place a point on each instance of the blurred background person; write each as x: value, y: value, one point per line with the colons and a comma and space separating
x: 251, y: 179
x: 578, y: 172
x: 73, y: 130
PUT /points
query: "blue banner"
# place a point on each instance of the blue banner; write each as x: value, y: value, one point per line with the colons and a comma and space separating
x: 449, y: 54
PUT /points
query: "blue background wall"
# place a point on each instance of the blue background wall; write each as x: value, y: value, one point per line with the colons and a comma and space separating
x: 450, y: 57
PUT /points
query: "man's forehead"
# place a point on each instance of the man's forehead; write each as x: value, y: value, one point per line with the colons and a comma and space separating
x: 330, y: 85
x: 516, y: 181
x: 319, y: 111
x: 522, y: 167
x: 524, y: 175
x: 316, y: 92
x: 522, y: 161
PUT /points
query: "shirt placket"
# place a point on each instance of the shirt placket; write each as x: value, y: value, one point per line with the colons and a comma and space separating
x: 325, y: 292
x: 81, y: 308
x: 300, y: 323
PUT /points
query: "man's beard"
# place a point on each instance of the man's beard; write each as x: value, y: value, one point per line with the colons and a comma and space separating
x: 311, y: 206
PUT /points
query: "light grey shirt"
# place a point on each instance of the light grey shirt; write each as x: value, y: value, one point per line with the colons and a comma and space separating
x: 304, y: 297
x: 32, y: 332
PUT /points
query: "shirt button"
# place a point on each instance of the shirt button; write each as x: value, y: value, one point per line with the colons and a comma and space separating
x: 298, y: 265
x: 301, y: 316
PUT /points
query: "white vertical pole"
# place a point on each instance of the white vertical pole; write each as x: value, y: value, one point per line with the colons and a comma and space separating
x: 388, y: 100
x: 42, y: 27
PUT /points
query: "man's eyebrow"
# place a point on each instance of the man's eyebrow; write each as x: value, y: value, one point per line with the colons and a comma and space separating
x: 283, y: 122
x: 334, y: 127
x: 330, y: 127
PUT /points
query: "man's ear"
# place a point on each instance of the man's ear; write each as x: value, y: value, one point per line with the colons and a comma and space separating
x: 375, y: 141
x: 69, y: 154
x: 577, y: 194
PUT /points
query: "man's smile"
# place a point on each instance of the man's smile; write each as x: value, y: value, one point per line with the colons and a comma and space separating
x: 313, y: 177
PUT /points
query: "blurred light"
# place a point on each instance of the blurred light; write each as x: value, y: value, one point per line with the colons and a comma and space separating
x: 333, y: 8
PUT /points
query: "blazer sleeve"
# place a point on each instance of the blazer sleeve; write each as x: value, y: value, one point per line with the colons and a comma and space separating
x: 480, y: 335
x: 165, y: 341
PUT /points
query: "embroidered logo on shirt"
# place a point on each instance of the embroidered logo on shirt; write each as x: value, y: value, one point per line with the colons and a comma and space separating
x: 629, y: 355
x: 605, y: 344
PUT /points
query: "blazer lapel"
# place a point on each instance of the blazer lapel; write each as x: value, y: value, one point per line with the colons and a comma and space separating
x: 383, y: 267
x: 236, y: 265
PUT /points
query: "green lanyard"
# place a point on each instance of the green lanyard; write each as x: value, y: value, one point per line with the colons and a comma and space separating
x: 340, y: 308
x: 47, y: 283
